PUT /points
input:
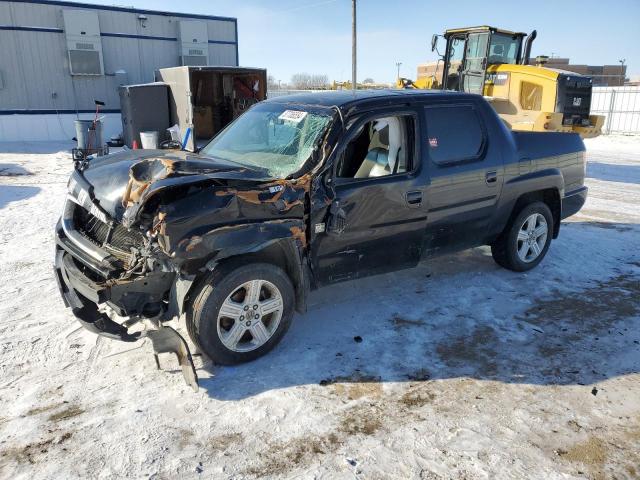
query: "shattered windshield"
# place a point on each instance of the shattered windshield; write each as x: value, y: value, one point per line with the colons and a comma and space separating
x: 277, y: 138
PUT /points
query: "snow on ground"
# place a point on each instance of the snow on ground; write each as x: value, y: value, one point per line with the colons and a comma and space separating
x: 465, y: 370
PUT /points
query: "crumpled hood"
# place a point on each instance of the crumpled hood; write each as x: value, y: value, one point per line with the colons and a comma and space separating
x: 121, y: 180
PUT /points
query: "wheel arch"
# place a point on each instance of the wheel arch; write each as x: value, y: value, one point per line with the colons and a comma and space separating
x: 549, y: 196
x: 284, y: 253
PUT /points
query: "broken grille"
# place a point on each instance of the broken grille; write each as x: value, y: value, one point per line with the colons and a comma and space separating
x: 116, y: 240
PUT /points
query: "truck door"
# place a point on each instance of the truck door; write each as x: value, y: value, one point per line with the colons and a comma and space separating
x: 474, y: 66
x: 376, y: 223
x: 453, y: 63
x: 466, y: 173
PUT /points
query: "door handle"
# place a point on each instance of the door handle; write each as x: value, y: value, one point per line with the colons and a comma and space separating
x: 524, y: 165
x: 491, y: 177
x: 413, y: 198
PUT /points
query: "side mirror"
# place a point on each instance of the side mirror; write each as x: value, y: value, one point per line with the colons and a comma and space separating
x: 434, y: 42
x: 337, y: 219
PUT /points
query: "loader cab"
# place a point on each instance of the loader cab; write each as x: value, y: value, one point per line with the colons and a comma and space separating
x: 470, y: 51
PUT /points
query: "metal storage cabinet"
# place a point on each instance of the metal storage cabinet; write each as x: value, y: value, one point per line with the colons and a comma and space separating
x: 144, y: 108
x: 206, y: 99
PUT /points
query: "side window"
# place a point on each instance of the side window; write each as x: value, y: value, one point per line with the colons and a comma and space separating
x: 455, y: 134
x: 380, y: 147
x: 476, y: 51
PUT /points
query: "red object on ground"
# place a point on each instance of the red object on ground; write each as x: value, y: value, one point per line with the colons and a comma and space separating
x: 135, y: 144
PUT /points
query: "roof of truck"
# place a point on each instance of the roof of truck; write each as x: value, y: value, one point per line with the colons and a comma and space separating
x: 342, y: 98
x: 482, y: 28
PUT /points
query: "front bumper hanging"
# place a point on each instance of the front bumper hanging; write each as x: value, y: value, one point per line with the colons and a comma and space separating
x: 82, y: 295
x: 167, y: 340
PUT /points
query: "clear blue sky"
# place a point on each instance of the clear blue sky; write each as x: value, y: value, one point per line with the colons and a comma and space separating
x: 314, y: 36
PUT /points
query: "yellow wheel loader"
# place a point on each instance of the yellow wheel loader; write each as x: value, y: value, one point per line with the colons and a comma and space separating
x: 495, y: 63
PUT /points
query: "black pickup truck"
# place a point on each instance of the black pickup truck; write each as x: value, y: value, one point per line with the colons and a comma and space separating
x: 300, y: 192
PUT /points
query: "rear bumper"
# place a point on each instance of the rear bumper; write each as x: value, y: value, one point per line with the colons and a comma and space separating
x: 573, y: 201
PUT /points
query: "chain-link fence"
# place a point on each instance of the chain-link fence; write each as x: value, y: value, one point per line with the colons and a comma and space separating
x: 620, y: 106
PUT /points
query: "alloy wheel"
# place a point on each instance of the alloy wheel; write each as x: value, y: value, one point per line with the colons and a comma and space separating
x: 250, y: 316
x: 532, y: 237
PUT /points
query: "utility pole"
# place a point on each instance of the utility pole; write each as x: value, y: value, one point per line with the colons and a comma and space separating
x: 398, y: 65
x: 622, y: 71
x: 353, y: 45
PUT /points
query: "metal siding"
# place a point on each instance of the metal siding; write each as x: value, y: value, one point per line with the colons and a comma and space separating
x: 30, y: 15
x: 34, y: 65
x: 5, y: 13
x: 220, y: 54
x: 94, y: 6
x: 9, y: 65
x: 120, y: 22
x: 131, y: 55
x: 221, y: 31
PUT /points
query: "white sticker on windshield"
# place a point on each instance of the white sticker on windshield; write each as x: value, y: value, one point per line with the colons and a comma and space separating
x: 295, y: 116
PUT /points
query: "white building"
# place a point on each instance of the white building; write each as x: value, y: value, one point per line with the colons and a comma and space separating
x: 57, y: 57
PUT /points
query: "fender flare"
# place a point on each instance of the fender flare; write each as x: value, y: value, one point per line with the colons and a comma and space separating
x: 531, y: 183
x: 220, y: 246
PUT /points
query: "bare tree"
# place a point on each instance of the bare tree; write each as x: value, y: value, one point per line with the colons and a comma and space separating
x: 368, y: 80
x: 272, y: 83
x: 306, y: 81
x: 300, y: 80
x: 319, y: 80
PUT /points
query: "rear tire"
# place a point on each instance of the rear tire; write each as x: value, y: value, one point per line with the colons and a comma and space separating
x: 239, y: 315
x: 525, y: 241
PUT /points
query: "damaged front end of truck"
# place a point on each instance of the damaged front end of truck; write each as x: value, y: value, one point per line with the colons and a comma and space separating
x: 140, y: 228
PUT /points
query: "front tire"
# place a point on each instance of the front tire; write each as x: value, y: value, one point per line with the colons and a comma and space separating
x: 525, y: 241
x: 240, y: 315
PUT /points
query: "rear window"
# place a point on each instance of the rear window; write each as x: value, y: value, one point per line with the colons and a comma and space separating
x: 455, y: 134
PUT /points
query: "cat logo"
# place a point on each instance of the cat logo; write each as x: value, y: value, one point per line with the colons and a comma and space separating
x: 498, y: 78
x: 577, y: 101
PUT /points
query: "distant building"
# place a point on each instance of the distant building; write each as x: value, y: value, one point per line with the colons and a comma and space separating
x: 603, y: 75
x: 431, y: 69
x: 56, y: 57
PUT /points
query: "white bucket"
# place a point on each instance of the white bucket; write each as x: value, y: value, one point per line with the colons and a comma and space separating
x: 149, y: 140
